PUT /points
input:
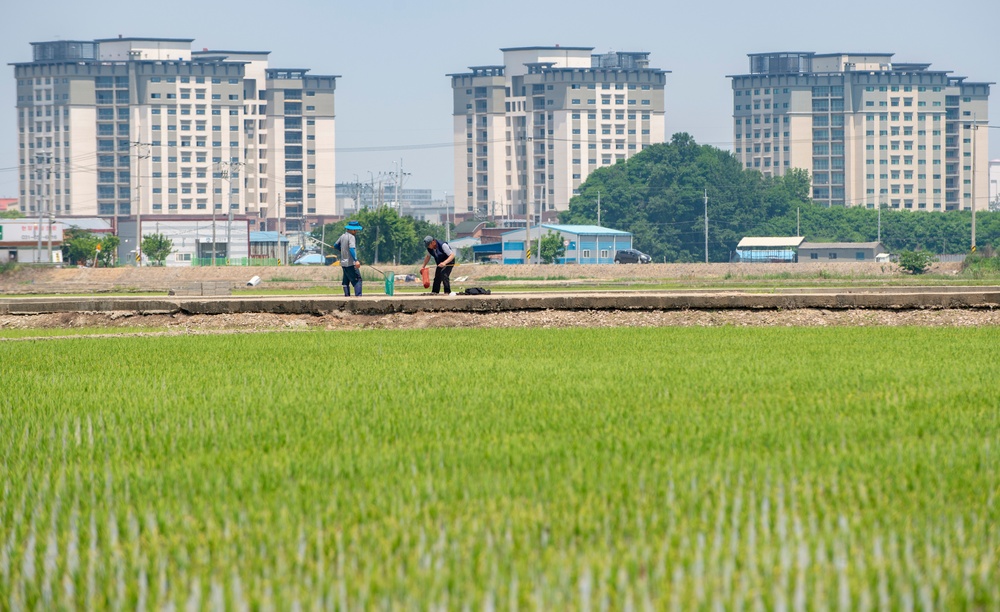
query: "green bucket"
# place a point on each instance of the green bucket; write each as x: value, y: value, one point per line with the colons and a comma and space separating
x: 390, y: 283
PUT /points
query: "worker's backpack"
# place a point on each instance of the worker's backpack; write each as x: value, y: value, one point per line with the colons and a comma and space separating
x: 476, y: 291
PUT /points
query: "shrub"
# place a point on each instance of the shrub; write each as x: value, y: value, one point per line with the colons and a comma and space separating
x: 916, y: 262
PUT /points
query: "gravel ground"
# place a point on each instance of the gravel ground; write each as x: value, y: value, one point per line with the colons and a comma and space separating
x: 127, y: 323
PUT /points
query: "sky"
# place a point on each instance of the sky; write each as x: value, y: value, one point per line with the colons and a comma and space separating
x: 394, y: 100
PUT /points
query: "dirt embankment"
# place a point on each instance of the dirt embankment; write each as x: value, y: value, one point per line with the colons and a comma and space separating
x: 29, y: 280
x: 26, y: 281
x: 129, y: 323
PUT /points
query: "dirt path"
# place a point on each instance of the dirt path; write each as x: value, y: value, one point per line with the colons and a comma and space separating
x: 128, y: 323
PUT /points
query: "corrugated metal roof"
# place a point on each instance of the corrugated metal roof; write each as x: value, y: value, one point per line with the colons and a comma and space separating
x: 586, y: 230
x: 770, y: 241
x: 579, y: 230
x: 267, y: 237
x: 90, y: 224
x: 841, y: 245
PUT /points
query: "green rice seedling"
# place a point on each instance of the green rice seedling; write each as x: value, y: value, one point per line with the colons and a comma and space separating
x: 573, y: 468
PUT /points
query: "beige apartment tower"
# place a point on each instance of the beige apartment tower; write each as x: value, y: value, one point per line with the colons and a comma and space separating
x: 120, y: 126
x: 869, y: 131
x: 529, y: 131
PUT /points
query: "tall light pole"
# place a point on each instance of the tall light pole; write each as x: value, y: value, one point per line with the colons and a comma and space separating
x: 706, y: 225
x: 142, y: 152
x: 227, y: 170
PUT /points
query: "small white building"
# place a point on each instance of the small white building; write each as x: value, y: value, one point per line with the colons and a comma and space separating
x: 195, y: 239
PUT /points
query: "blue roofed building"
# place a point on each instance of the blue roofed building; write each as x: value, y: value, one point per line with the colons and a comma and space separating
x: 584, y: 244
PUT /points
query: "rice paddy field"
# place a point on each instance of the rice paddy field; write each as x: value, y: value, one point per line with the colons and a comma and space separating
x: 664, y: 468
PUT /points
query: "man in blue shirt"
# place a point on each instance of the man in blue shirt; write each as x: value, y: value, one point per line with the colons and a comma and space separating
x: 347, y: 244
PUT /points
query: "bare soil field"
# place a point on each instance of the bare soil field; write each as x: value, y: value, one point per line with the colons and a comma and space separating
x: 26, y: 281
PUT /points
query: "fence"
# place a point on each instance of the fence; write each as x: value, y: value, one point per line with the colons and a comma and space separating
x: 235, y: 261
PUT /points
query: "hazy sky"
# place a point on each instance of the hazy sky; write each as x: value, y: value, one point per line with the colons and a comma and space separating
x: 394, y: 100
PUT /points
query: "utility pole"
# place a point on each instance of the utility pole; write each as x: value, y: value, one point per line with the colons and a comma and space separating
x: 278, y: 220
x: 357, y: 194
x: 45, y: 199
x: 598, y: 208
x: 214, y: 204
x: 371, y: 176
x: 538, y: 253
x: 879, y: 204
x: 798, y: 223
x: 447, y: 219
x: 41, y: 168
x: 975, y: 128
x: 141, y: 152
x: 706, y: 225
x: 395, y: 179
x: 50, y: 202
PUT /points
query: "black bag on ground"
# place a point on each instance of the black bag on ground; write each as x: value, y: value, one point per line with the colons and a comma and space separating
x: 476, y: 291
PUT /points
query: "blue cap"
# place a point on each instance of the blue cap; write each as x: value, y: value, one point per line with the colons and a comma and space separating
x: 354, y: 225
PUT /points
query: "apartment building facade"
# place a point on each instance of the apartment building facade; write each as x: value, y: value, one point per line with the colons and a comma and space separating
x: 868, y: 130
x: 528, y: 132
x: 128, y: 126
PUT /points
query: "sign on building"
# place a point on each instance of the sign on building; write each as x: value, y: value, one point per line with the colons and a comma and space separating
x: 24, y: 233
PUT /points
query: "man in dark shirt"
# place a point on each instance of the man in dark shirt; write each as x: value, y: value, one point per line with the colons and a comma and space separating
x: 444, y: 256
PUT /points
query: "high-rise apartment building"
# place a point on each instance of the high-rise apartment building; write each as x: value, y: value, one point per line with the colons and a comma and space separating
x: 869, y: 131
x: 116, y: 127
x: 528, y: 132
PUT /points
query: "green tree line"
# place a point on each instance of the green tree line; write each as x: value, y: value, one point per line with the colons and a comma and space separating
x: 386, y: 238
x: 659, y: 196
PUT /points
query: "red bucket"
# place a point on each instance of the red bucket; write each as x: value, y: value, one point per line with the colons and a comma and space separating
x: 425, y: 275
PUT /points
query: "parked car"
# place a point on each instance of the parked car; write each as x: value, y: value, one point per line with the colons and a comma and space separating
x: 315, y: 259
x: 631, y: 256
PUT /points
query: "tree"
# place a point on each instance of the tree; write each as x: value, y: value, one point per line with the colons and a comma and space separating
x: 386, y: 236
x: 11, y: 214
x: 157, y: 247
x: 552, y: 247
x: 79, y: 246
x: 659, y: 196
x: 109, y: 249
x: 916, y: 262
